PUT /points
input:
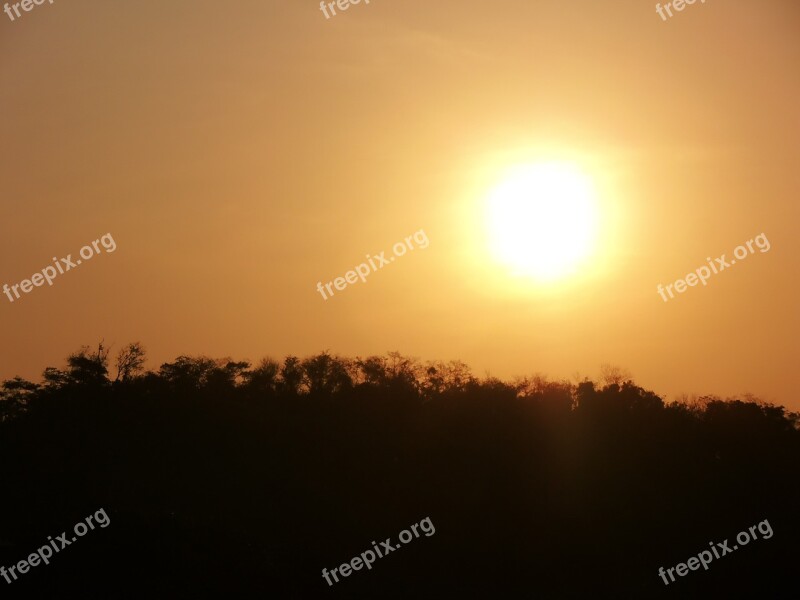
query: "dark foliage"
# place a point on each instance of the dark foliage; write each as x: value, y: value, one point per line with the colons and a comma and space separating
x: 227, y: 480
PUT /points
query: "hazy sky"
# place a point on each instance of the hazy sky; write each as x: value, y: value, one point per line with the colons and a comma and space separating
x: 241, y: 152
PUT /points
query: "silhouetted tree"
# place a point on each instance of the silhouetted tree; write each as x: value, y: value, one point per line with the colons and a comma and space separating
x: 326, y: 375
x: 14, y: 396
x: 84, y: 368
x: 188, y: 373
x: 613, y: 374
x: 130, y: 362
x: 262, y: 380
x: 291, y: 376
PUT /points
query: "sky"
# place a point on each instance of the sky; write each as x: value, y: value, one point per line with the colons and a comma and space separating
x: 238, y: 154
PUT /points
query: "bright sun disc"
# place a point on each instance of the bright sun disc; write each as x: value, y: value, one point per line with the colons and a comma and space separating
x: 542, y: 220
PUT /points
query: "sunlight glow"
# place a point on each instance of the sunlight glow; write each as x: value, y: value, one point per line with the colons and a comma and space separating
x: 542, y: 220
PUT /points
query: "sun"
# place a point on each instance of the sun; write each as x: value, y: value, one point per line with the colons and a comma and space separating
x: 542, y: 220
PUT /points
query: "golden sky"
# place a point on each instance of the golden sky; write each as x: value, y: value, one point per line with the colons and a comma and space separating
x: 239, y: 153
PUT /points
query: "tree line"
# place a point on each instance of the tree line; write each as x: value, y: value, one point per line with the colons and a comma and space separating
x: 231, y: 478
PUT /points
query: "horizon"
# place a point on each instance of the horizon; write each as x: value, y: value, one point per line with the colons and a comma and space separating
x: 606, y: 374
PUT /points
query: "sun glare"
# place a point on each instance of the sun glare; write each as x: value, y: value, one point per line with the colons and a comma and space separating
x: 542, y: 220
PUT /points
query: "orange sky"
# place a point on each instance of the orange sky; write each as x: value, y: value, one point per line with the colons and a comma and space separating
x: 240, y: 153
